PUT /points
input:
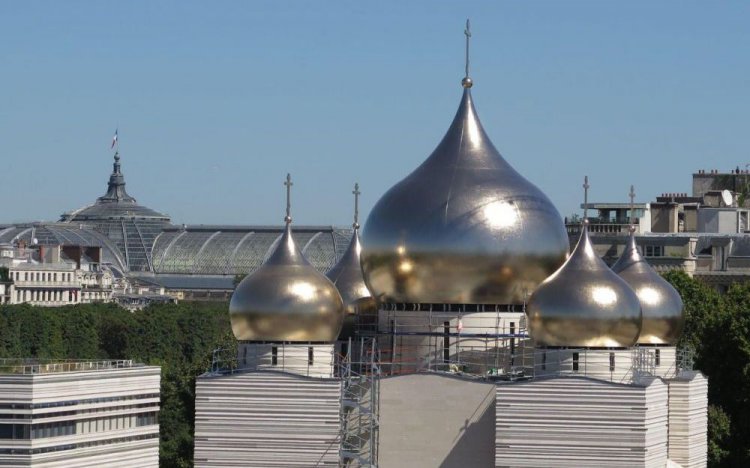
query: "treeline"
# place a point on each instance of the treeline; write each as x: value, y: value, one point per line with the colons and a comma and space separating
x: 178, y: 337
x: 718, y: 330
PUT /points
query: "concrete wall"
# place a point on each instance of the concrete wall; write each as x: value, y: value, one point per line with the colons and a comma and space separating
x: 435, y: 420
x: 664, y: 217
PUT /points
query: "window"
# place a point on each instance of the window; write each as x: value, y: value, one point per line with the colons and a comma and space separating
x: 274, y: 355
x: 653, y: 250
x: 575, y: 362
x: 146, y: 419
x: 657, y: 358
x: 611, y: 362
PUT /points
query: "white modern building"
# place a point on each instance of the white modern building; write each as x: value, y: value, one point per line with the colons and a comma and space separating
x: 79, y: 414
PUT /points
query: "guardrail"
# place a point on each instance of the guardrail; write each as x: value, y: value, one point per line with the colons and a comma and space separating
x: 31, y: 366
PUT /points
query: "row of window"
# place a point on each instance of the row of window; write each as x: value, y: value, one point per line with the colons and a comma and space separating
x: 66, y: 428
x: 41, y: 276
x: 58, y: 448
x: 275, y: 356
x: 57, y: 404
x: 576, y: 356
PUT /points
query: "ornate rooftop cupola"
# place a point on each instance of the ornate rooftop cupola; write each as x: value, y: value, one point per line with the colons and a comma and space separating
x: 116, y: 188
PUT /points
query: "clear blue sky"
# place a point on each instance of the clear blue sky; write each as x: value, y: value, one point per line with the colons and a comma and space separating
x: 217, y: 101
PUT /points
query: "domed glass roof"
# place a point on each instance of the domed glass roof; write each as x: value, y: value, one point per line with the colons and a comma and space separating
x: 117, y: 215
x: 65, y: 234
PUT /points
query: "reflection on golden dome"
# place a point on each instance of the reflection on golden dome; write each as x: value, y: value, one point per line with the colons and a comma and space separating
x: 347, y: 277
x: 464, y: 227
x: 663, y: 317
x: 286, y: 299
x: 584, y: 304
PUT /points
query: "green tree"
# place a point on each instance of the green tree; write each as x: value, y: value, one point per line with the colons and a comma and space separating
x: 718, y: 433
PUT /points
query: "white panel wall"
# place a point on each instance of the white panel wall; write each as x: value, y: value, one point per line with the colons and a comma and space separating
x: 110, y: 395
x: 688, y: 406
x: 581, y: 422
x: 266, y: 419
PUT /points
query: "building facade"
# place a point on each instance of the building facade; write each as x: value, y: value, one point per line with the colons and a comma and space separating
x: 82, y: 414
x: 55, y: 275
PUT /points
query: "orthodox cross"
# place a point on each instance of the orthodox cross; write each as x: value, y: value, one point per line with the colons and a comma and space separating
x: 288, y: 183
x: 467, y: 32
x: 586, y: 187
x: 356, y: 193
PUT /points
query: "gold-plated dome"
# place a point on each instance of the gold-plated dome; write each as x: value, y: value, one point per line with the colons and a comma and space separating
x: 464, y: 227
x: 347, y: 277
x: 286, y: 299
x: 584, y: 304
x: 663, y: 317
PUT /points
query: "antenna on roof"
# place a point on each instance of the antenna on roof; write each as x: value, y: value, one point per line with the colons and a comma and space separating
x: 727, y: 198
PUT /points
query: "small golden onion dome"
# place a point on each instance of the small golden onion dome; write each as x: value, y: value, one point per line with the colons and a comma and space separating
x: 286, y: 299
x: 464, y: 227
x: 347, y: 277
x: 663, y: 317
x: 584, y: 304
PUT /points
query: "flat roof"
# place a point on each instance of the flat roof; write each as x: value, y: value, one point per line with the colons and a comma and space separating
x: 57, y: 366
x: 613, y: 206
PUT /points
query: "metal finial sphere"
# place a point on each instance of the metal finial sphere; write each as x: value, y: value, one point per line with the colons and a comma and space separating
x: 117, y: 156
x: 467, y: 82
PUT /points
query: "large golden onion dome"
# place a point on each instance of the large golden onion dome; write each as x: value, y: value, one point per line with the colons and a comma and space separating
x: 584, y: 304
x: 346, y: 275
x: 464, y: 227
x: 286, y: 299
x: 663, y: 317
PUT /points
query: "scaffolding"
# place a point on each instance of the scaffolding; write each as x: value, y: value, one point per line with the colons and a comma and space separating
x: 466, y: 339
x: 360, y: 392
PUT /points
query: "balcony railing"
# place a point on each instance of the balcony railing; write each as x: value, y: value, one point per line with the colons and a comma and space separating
x: 614, y: 229
x: 33, y: 366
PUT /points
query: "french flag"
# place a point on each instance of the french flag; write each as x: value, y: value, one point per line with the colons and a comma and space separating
x: 114, y: 140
